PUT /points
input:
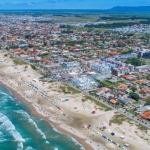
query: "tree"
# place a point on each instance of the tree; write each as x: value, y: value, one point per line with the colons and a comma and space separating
x: 135, y: 62
x: 33, y: 67
x: 147, y: 101
x: 134, y: 96
x: 133, y: 89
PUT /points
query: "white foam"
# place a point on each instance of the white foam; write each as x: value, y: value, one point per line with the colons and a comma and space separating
x: 3, y: 93
x: 47, y: 142
x: 3, y: 140
x: 20, y: 146
x: 55, y: 129
x: 10, y: 128
x: 55, y: 148
x: 32, y: 123
x: 76, y: 142
x: 29, y: 148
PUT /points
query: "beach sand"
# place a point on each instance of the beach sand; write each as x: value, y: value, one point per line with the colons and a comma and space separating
x: 68, y: 113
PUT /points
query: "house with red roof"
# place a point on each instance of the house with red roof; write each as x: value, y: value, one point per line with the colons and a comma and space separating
x: 103, y: 90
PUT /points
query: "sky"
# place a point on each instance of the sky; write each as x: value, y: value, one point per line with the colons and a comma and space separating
x: 69, y: 4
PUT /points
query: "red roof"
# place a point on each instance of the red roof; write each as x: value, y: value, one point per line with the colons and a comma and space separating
x: 146, y: 115
x: 113, y: 101
x: 46, y: 61
x: 104, y: 89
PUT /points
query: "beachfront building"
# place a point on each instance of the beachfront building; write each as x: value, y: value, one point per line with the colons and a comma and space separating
x: 71, y: 64
x: 83, y: 82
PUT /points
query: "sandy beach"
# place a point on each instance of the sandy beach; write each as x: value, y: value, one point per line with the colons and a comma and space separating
x: 71, y: 113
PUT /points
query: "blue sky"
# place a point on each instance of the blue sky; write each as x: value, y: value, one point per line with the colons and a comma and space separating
x: 70, y: 4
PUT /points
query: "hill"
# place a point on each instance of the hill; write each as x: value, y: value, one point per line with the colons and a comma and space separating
x: 130, y: 9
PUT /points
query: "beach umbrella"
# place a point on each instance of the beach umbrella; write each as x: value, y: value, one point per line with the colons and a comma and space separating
x: 112, y: 133
x: 104, y: 127
x: 93, y: 112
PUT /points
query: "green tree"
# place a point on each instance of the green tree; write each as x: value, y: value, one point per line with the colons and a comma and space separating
x: 135, y: 62
x: 133, y: 89
x: 147, y: 101
x: 134, y: 96
x: 33, y: 67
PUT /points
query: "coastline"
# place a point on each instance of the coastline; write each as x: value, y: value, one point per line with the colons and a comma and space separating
x: 70, y: 112
x: 33, y: 112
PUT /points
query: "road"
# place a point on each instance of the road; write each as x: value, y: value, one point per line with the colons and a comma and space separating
x: 121, y: 111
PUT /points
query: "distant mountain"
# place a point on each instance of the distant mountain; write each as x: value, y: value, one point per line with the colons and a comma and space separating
x: 130, y: 9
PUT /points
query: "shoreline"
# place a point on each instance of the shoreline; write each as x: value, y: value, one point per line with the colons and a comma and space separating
x: 70, y: 113
x: 34, y: 112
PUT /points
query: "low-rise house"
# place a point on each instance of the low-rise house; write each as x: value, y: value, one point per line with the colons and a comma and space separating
x: 143, y: 109
x: 126, y: 100
x: 113, y: 101
x: 146, y: 115
x: 71, y: 64
x: 45, y: 61
x: 108, y: 96
x: 129, y: 77
x: 103, y: 90
x: 145, y: 90
x: 122, y: 87
x: 142, y: 81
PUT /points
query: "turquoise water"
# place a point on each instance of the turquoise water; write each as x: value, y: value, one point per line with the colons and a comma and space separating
x: 21, y: 131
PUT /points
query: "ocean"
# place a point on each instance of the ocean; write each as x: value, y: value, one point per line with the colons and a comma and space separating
x: 19, y: 130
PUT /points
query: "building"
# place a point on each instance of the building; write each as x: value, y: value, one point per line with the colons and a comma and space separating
x: 143, y: 109
x: 101, y: 77
x: 146, y: 115
x: 102, y: 68
x: 142, y: 68
x: 126, y: 100
x: 144, y: 53
x: 103, y: 90
x: 84, y: 82
x: 127, y: 56
x: 113, y: 101
x: 71, y: 64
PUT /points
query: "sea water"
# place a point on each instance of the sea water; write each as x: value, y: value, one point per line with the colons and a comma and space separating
x: 19, y: 130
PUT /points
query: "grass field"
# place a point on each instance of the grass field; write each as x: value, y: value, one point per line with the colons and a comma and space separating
x: 104, y: 107
x: 119, y: 119
x: 69, y: 90
x: 19, y: 61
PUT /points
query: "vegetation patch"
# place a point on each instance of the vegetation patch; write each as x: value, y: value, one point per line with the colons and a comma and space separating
x: 69, y: 90
x: 142, y: 128
x: 119, y: 119
x: 106, y: 108
x: 135, y: 62
x: 19, y: 62
x: 33, y: 67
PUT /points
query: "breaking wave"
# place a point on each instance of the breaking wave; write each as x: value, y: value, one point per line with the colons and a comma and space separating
x: 7, y: 125
x: 32, y: 123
